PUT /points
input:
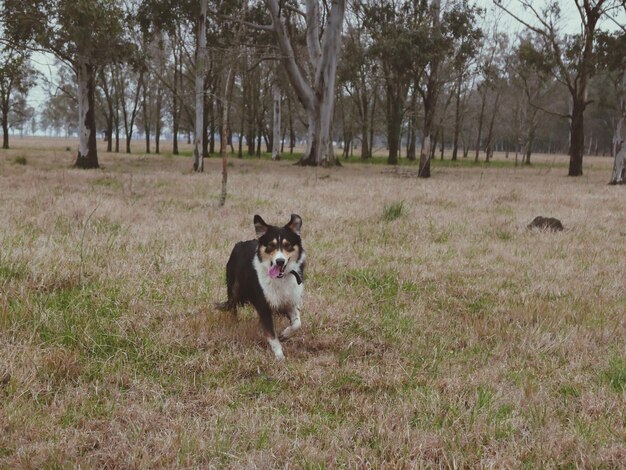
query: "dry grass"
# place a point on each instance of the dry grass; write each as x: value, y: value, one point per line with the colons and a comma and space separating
x: 445, y: 335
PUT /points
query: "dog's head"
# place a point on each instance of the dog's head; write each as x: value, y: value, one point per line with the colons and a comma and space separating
x: 280, y: 248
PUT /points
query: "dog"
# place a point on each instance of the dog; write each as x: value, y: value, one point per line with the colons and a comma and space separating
x: 268, y: 273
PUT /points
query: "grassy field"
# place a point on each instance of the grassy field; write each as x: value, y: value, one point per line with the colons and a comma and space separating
x: 437, y: 330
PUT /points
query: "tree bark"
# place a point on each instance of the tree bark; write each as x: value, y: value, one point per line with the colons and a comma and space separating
x: 395, y: 100
x: 364, y: 112
x: 87, y: 149
x: 489, y: 145
x: 457, y: 118
x: 224, y: 131
x: 109, y: 114
x: 146, y: 116
x: 481, y: 118
x: 175, y: 103
x: 276, y: 95
x: 430, y: 102
x: 5, y: 124
x: 577, y: 139
x: 129, y: 118
x: 619, y: 138
x: 198, y: 153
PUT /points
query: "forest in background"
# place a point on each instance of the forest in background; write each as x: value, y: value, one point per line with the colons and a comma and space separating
x: 412, y: 77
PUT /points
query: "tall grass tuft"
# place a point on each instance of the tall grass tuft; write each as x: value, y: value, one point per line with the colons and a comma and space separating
x: 393, y: 211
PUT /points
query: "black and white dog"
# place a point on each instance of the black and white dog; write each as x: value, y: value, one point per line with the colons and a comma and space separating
x: 268, y: 273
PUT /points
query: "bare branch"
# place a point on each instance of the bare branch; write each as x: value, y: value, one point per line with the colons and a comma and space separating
x: 260, y: 27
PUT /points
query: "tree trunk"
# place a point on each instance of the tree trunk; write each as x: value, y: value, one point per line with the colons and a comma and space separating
x: 411, y: 151
x: 109, y: 115
x: 395, y: 98
x: 198, y: 152
x: 224, y: 131
x: 489, y: 145
x: 530, y: 137
x: 175, y: 104
x: 577, y: 139
x: 619, y: 139
x: 371, y: 126
x: 146, y: 117
x: 5, y: 123
x: 430, y: 102
x: 457, y: 119
x: 87, y: 150
x: 129, y: 123
x: 292, y: 130
x: 365, y: 144
x: 276, y: 95
x: 481, y: 118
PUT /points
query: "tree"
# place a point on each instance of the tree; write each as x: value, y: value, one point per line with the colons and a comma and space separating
x: 445, y: 42
x: 16, y: 78
x: 430, y: 95
x: 573, y: 58
x: 612, y: 59
x: 531, y: 74
x: 468, y: 40
x: 21, y: 113
x: 198, y: 153
x: 315, y: 90
x: 359, y: 77
x: 128, y: 83
x: 84, y: 34
x: 397, y: 43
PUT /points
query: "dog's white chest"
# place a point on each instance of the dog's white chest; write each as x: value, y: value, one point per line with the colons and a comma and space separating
x: 281, y: 293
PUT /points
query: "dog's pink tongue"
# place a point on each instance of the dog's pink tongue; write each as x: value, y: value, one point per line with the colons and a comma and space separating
x: 274, y: 271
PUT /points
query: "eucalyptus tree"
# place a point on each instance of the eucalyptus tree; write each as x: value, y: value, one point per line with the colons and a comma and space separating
x: 612, y: 60
x: 128, y: 79
x: 359, y: 78
x: 415, y: 44
x: 84, y: 34
x: 169, y: 26
x: 468, y: 38
x: 572, y: 55
x: 395, y: 40
x: 313, y: 79
x: 430, y: 89
x: 530, y: 74
x: 16, y: 78
x: 200, y: 60
x: 108, y: 102
x: 452, y: 37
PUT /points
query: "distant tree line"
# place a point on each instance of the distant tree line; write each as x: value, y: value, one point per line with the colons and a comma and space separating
x: 416, y: 79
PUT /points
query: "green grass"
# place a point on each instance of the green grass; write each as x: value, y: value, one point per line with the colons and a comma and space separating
x: 615, y: 374
x: 436, y: 331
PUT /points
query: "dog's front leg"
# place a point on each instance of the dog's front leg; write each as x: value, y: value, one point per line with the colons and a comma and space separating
x: 294, y: 317
x: 265, y: 315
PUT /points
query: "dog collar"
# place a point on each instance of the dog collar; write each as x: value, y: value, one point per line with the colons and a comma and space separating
x: 297, y: 276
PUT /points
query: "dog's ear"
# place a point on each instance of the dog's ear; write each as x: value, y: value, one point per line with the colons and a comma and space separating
x: 260, y: 226
x: 295, y: 224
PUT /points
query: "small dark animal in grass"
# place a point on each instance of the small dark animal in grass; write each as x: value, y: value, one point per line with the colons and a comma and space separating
x: 267, y: 273
x: 546, y: 223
